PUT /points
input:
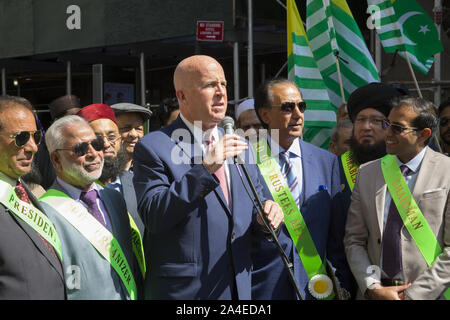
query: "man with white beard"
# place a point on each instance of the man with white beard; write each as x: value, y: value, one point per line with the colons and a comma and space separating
x: 92, y: 221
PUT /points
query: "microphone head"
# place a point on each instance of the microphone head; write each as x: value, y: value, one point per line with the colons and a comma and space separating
x: 227, y: 124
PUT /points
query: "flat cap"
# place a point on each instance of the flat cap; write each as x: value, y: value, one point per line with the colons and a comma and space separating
x: 126, y: 107
x: 97, y: 111
x: 373, y: 95
x: 59, y: 106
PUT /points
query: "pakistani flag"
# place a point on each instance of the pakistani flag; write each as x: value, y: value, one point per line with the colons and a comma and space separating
x: 405, y: 26
x: 320, y: 116
x: 331, y: 30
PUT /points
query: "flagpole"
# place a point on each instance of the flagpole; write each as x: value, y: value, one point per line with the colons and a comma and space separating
x: 340, y: 78
x: 413, y: 74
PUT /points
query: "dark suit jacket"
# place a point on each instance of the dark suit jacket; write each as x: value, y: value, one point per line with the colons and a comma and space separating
x: 28, y: 270
x: 128, y: 193
x: 321, y: 209
x: 196, y: 246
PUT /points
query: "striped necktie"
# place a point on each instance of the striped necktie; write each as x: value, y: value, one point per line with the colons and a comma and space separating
x: 22, y: 194
x: 291, y: 179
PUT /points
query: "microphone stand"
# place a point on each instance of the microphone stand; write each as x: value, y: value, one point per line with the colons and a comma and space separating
x: 259, y: 206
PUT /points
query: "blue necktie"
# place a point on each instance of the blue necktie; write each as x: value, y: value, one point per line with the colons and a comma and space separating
x: 291, y: 179
x: 392, y: 251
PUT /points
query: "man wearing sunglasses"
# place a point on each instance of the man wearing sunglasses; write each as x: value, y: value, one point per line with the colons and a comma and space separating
x: 444, y: 126
x: 84, y: 212
x: 102, y: 119
x: 398, y: 226
x: 312, y: 175
x: 30, y: 267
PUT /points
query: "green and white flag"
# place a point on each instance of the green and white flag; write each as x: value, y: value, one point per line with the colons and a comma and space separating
x: 320, y: 115
x: 403, y: 25
x: 331, y: 30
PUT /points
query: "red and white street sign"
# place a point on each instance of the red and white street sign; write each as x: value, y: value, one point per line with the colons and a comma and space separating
x: 209, y: 30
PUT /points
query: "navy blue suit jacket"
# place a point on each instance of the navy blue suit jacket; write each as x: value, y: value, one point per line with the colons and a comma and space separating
x: 322, y: 210
x: 195, y: 245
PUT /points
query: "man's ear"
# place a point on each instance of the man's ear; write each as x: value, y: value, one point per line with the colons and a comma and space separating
x: 56, y: 160
x: 264, y: 113
x: 180, y: 95
x: 424, y: 134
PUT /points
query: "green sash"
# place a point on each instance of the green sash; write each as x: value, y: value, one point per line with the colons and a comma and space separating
x: 293, y: 219
x: 350, y: 168
x: 30, y: 215
x: 412, y: 217
x: 100, y: 237
x: 138, y: 248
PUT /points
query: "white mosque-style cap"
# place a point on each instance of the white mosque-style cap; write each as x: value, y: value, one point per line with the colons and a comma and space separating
x: 245, y: 105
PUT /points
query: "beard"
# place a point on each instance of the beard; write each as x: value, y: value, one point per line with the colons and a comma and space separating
x: 79, y: 173
x: 114, y: 166
x: 363, y: 153
x: 445, y: 137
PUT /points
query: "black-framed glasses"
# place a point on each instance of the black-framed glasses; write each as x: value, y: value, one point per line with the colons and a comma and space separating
x: 396, y: 128
x: 444, y: 121
x: 289, y: 106
x: 111, y: 137
x: 21, y: 138
x: 373, y: 122
x: 83, y: 147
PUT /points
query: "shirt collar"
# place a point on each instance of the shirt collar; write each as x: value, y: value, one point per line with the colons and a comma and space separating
x: 276, y: 149
x: 200, y: 135
x: 414, y: 163
x: 73, y: 191
x: 8, y: 179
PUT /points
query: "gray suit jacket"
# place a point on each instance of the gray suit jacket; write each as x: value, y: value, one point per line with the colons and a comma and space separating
x: 89, y: 275
x: 27, y: 268
x: 364, y: 227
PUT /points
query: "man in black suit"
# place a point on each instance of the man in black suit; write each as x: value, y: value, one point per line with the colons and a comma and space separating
x: 30, y: 267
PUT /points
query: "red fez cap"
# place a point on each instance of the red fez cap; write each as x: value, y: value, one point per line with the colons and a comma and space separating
x: 97, y: 111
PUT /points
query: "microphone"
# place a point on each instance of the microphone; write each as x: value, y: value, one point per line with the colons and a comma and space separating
x: 227, y: 124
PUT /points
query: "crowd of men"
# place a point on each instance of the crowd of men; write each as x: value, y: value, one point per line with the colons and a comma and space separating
x: 95, y: 209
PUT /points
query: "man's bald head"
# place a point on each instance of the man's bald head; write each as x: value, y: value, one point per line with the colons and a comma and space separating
x: 200, y: 87
x: 189, y: 68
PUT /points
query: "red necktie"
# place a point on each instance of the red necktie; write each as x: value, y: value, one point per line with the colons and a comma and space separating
x: 220, y: 174
x: 22, y: 194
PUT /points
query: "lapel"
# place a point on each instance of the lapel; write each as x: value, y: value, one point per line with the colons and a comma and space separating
x: 192, y: 152
x: 111, y: 211
x: 380, y: 196
x: 309, y: 170
x: 126, y: 179
x: 427, y: 171
x: 34, y: 235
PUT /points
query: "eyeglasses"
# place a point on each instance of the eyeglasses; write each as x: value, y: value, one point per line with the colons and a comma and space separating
x: 396, y: 129
x: 444, y: 121
x: 83, y: 147
x: 373, y: 122
x: 289, y: 107
x: 111, y: 137
x: 21, y: 138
